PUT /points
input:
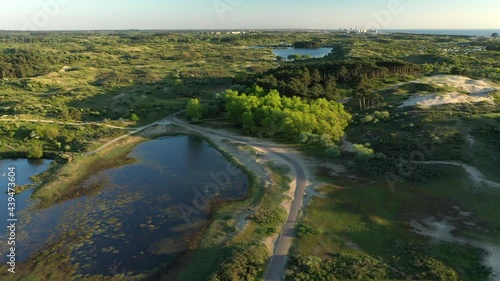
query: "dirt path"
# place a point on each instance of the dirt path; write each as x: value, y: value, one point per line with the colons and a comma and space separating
x: 66, y: 123
x: 473, y: 172
x: 136, y: 130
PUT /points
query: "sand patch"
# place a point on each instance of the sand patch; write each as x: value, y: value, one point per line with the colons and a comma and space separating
x: 468, y: 91
x: 442, y: 231
x: 429, y: 100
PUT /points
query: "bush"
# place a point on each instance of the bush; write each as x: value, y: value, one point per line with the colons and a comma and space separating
x: 35, y: 152
x: 134, y: 117
x: 305, y: 230
x: 243, y: 262
x: 333, y: 152
x: 367, y: 119
x: 363, y: 152
x: 268, y: 215
x: 343, y: 266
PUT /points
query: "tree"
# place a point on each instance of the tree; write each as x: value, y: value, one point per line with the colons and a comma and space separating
x: 134, y: 117
x: 194, y: 110
x: 363, y: 152
x: 316, y: 121
x: 494, y: 35
x: 35, y: 152
x: 331, y: 91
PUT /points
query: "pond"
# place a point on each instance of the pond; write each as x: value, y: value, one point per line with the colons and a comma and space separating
x: 144, y: 214
x: 315, y: 53
x: 24, y: 169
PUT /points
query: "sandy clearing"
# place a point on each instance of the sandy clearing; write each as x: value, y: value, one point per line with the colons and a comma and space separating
x: 474, y: 91
x: 463, y: 83
x: 429, y: 100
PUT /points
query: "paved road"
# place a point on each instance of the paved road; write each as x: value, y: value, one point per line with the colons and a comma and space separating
x: 277, y: 264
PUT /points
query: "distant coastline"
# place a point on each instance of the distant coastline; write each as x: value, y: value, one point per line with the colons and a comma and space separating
x: 457, y: 32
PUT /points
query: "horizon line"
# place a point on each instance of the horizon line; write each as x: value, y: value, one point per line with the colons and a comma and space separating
x: 232, y: 29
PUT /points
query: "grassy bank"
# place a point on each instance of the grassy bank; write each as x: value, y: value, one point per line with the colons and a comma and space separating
x: 63, y: 181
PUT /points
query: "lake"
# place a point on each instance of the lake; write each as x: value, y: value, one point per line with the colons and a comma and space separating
x: 315, y: 53
x: 144, y: 214
x: 24, y: 169
x: 286, y: 51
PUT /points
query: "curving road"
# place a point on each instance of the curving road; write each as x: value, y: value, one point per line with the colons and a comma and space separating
x: 277, y: 264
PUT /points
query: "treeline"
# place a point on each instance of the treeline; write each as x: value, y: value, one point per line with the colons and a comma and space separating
x: 319, y: 79
x: 307, y: 45
x: 18, y: 63
x: 268, y: 114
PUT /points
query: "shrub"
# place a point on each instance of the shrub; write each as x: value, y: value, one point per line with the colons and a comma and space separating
x: 363, y: 152
x: 305, y: 230
x: 343, y: 266
x: 134, y: 117
x: 243, y: 262
x: 35, y: 152
x: 267, y: 215
x: 333, y: 152
x: 367, y: 119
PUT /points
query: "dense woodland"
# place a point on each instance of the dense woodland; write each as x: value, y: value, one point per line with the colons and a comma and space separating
x: 320, y: 79
x: 21, y: 63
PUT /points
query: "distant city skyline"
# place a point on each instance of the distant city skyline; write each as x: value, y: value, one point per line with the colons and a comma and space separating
x: 247, y: 14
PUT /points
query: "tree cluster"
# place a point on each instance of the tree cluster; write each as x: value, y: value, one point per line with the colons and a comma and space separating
x: 268, y: 114
x: 18, y: 63
x: 307, y: 45
x: 319, y: 79
x: 243, y: 262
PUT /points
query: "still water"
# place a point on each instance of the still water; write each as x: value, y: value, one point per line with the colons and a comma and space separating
x: 144, y: 214
x: 315, y: 53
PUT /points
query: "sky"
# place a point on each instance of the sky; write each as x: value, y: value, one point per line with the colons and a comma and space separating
x: 248, y: 14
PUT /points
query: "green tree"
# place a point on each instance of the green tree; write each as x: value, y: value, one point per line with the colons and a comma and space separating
x: 35, y: 152
x: 194, y: 110
x: 363, y: 152
x: 134, y: 117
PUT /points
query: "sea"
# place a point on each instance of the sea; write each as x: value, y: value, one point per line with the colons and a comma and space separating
x: 457, y: 32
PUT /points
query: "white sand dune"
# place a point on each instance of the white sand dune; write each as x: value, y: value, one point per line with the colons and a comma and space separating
x: 429, y: 100
x: 475, y: 91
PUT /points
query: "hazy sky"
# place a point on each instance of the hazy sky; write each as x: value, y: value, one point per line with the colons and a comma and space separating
x: 233, y: 14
